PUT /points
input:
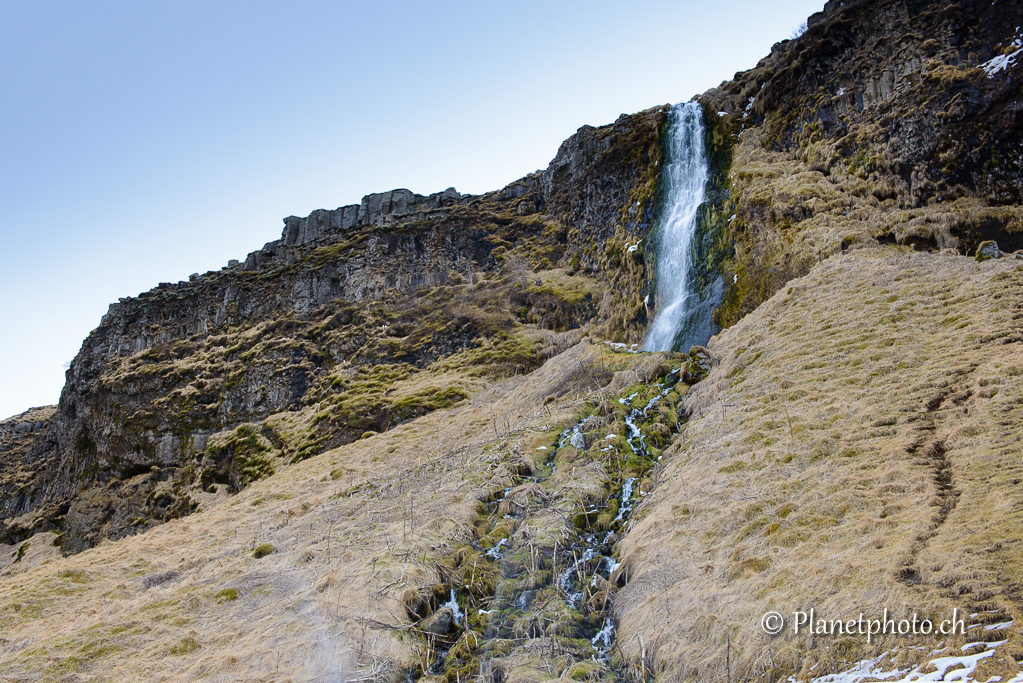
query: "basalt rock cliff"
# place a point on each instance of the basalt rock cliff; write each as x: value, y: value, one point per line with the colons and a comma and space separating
x: 408, y: 440
x: 890, y: 123
x: 403, y: 290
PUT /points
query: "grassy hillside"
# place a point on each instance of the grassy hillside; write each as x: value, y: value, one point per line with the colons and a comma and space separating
x: 852, y: 449
x: 855, y: 448
x: 308, y: 573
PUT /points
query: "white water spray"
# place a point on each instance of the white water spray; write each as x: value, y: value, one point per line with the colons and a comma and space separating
x: 686, y: 180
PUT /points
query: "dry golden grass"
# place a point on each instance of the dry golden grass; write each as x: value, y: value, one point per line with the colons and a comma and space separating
x: 857, y: 447
x: 854, y: 448
x: 37, y: 550
x: 350, y: 529
x: 794, y: 209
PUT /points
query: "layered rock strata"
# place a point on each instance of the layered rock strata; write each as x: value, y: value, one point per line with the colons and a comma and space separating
x: 342, y: 292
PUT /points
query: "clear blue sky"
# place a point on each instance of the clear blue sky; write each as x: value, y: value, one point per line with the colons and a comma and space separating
x: 144, y: 141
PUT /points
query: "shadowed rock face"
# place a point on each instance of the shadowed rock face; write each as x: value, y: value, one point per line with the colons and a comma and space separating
x: 885, y: 122
x: 888, y: 96
x: 165, y: 372
x: 909, y: 86
x: 24, y: 450
x: 606, y: 177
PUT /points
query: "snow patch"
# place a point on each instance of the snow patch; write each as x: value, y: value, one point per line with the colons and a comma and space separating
x: 495, y: 552
x: 998, y: 627
x: 945, y: 669
x: 1003, y: 62
x: 618, y: 346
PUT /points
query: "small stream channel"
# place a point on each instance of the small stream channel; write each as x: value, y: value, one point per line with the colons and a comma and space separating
x: 561, y: 593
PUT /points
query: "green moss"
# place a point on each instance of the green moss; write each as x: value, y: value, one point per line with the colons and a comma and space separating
x: 186, y: 645
x: 79, y: 576
x: 245, y: 454
x: 428, y: 400
x: 262, y: 550
x: 226, y: 595
x: 22, y: 549
x: 584, y: 671
x: 504, y: 355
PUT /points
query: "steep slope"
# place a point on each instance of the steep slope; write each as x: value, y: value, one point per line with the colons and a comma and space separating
x: 852, y: 449
x: 885, y: 122
x: 307, y: 575
x: 357, y: 319
x: 855, y: 448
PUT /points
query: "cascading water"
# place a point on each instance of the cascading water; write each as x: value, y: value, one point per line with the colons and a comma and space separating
x: 555, y: 591
x: 679, y: 315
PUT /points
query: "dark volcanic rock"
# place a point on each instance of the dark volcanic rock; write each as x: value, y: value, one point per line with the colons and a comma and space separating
x: 25, y: 449
x: 903, y: 82
x: 898, y: 105
x: 884, y: 123
x: 605, y: 177
x: 135, y: 437
x: 440, y: 623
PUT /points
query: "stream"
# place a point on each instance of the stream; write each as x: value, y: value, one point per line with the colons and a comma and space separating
x: 562, y: 592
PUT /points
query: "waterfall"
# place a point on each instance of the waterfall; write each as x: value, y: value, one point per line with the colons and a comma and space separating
x: 679, y: 315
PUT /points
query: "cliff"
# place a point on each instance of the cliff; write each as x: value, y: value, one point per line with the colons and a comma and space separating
x: 890, y: 123
x: 356, y: 319
x: 409, y: 440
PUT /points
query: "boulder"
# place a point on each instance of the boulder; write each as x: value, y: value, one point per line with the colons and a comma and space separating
x: 414, y: 603
x: 700, y: 362
x: 441, y: 623
x: 292, y: 228
x: 988, y: 250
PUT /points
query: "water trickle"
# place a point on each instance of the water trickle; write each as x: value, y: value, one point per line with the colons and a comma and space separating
x: 581, y: 571
x: 495, y: 552
x: 685, y: 180
x: 602, y: 641
x: 626, y: 506
x: 456, y: 611
x: 628, y: 399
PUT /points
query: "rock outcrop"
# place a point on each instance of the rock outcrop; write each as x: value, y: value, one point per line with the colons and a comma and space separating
x: 369, y: 396
x: 905, y: 89
x: 882, y: 123
x: 24, y: 452
x: 326, y: 227
x: 606, y: 178
x: 134, y: 440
